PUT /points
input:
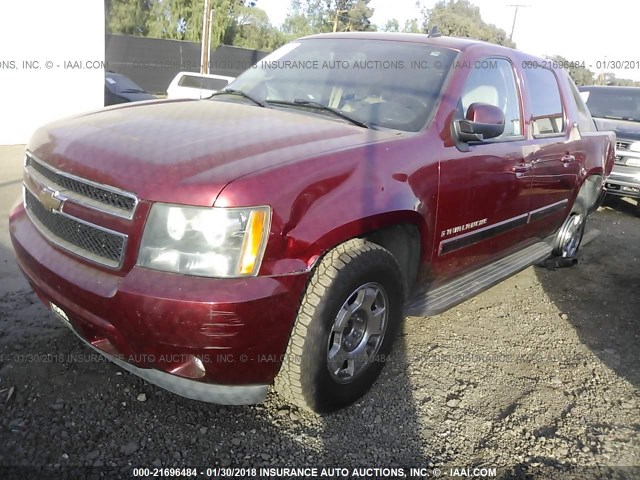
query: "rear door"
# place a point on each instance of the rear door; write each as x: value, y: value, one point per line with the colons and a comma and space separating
x: 556, y: 155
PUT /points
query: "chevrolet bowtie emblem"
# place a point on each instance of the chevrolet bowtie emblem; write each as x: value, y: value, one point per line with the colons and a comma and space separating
x: 49, y: 199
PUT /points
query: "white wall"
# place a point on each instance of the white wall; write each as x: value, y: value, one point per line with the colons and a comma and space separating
x: 48, y: 31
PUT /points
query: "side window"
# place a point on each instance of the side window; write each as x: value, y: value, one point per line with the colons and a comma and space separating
x: 493, y: 82
x: 548, y: 115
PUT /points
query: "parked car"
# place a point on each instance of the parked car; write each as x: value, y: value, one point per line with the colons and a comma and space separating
x: 618, y: 109
x: 121, y: 89
x: 279, y: 232
x: 196, y: 85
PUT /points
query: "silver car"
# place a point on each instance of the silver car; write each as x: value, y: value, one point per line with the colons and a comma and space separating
x: 618, y: 109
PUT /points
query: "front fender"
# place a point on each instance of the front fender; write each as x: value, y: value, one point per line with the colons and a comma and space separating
x: 322, y: 202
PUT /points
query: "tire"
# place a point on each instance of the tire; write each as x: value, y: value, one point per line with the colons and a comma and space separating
x: 569, y: 237
x: 637, y: 210
x: 330, y: 327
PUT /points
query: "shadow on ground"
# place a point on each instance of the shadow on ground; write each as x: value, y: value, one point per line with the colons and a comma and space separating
x: 599, y: 299
x: 600, y: 295
x: 71, y: 407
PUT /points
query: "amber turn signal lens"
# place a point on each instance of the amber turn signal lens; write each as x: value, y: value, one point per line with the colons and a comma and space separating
x: 253, y: 242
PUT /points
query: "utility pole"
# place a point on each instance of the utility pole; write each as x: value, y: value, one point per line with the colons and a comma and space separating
x: 515, y: 15
x: 205, y: 51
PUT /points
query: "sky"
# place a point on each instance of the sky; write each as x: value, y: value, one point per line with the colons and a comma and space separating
x: 581, y: 31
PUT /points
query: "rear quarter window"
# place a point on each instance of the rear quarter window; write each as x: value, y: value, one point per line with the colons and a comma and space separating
x: 546, y: 103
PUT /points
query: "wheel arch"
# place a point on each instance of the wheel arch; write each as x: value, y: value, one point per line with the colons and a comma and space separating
x: 405, y: 234
x: 592, y: 191
x: 404, y: 242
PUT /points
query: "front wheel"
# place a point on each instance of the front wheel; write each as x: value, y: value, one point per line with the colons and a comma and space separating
x: 346, y: 325
x: 570, y: 235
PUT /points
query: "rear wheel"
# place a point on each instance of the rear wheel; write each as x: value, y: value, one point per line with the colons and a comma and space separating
x: 345, y: 328
x: 570, y: 235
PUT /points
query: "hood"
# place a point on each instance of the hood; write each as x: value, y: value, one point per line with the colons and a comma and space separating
x: 186, y: 151
x: 625, y: 130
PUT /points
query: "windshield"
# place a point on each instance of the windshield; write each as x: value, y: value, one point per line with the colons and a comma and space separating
x: 614, y: 103
x: 379, y: 83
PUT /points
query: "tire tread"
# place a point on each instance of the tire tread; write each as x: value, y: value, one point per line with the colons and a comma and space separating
x: 288, y: 382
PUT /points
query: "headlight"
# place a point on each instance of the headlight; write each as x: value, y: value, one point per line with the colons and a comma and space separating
x: 208, y: 242
x: 635, y: 147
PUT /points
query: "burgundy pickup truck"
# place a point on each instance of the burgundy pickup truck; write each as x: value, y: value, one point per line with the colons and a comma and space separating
x: 278, y: 232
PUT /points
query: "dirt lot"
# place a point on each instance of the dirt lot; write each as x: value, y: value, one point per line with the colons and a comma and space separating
x: 535, y: 376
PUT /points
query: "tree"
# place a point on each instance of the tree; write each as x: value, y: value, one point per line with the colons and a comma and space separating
x: 297, y: 25
x: 175, y: 19
x: 392, y: 26
x: 318, y: 16
x: 611, y: 80
x: 182, y: 19
x: 459, y: 18
x: 353, y: 15
x: 251, y: 29
x: 307, y: 17
x: 303, y: 19
x: 580, y: 75
x: 128, y: 17
x: 411, y: 26
x: 583, y: 76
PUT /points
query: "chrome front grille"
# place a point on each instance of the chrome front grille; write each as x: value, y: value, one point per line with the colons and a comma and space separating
x: 97, y: 244
x: 100, y: 197
x: 622, y: 145
x: 47, y: 191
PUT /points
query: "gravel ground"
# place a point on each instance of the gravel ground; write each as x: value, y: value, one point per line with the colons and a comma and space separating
x: 534, y: 376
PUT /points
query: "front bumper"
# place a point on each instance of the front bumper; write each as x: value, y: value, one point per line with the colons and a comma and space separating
x: 624, y: 181
x: 205, y: 392
x: 216, y: 340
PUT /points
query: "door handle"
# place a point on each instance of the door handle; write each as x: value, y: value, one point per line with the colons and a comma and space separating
x: 568, y: 158
x: 521, y: 167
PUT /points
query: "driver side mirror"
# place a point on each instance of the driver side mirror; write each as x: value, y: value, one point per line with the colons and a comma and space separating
x: 483, y: 121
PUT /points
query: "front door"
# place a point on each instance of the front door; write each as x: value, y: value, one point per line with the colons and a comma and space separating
x: 484, y: 193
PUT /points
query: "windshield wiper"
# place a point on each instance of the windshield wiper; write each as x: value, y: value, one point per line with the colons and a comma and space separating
x: 320, y: 106
x: 240, y: 93
x: 612, y: 117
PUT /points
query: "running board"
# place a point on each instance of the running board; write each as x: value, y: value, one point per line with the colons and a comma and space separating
x: 456, y: 291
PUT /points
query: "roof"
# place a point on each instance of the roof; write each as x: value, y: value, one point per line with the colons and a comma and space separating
x: 455, y: 43
x: 610, y: 87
